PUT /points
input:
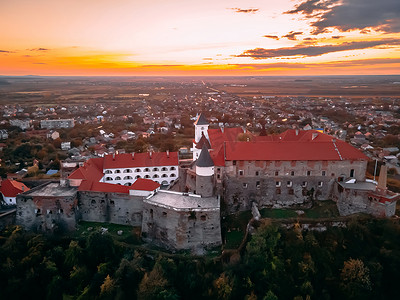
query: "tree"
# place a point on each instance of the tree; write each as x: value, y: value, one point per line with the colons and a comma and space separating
x: 355, y: 279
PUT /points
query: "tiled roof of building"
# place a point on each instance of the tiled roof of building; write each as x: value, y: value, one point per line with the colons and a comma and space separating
x: 217, y: 137
x: 95, y: 186
x: 142, y: 184
x: 204, y: 159
x: 91, y: 170
x: 292, y: 150
x: 201, y: 120
x: 293, y: 144
x: 11, y: 188
x: 147, y: 159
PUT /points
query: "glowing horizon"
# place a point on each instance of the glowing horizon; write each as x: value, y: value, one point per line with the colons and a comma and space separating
x: 211, y: 38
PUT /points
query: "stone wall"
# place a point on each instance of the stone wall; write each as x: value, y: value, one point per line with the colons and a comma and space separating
x: 283, y: 183
x: 7, y: 218
x: 117, y: 208
x: 181, y: 229
x: 46, y: 213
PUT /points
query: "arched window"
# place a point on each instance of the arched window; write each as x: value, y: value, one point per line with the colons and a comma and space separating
x: 138, y: 176
x: 127, y: 171
x: 164, y: 169
x: 172, y: 169
x: 128, y: 184
x: 117, y: 178
x: 164, y: 182
x: 164, y: 175
x: 147, y: 176
x: 117, y: 171
x: 109, y: 178
x: 108, y: 172
x: 155, y: 176
x: 147, y: 170
x: 155, y: 169
x: 127, y: 177
x: 137, y: 170
x: 172, y: 175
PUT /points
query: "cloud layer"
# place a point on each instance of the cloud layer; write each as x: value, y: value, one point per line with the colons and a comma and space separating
x: 301, y: 50
x: 345, y: 15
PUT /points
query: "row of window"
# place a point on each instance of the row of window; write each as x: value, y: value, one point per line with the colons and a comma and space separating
x: 48, y: 211
x: 139, y: 170
x: 292, y: 173
x: 138, y: 176
x: 288, y: 184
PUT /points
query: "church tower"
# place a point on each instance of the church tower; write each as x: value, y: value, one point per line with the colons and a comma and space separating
x: 205, y: 174
x: 200, y: 132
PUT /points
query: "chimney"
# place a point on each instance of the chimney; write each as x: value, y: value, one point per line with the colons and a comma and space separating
x: 150, y: 154
x: 133, y: 155
x: 382, y: 180
x: 23, y: 188
x: 113, y: 156
x: 168, y: 153
x: 314, y: 135
x: 297, y: 131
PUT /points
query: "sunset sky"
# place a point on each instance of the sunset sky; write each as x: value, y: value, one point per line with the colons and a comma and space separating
x: 185, y: 37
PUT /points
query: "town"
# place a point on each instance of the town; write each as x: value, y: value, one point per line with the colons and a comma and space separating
x: 175, y: 165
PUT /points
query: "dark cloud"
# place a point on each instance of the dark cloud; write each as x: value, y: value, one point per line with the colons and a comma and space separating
x: 39, y: 49
x: 337, y: 37
x: 39, y: 63
x: 345, y: 15
x: 292, y: 35
x: 301, y: 50
x: 312, y: 7
x: 275, y: 37
x: 5, y: 51
x: 245, y: 10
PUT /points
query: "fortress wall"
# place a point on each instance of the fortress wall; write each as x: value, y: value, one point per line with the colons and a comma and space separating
x: 42, y: 213
x: 114, y: 208
x: 180, y: 229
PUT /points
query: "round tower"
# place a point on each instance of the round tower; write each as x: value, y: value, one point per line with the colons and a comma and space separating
x: 205, y: 174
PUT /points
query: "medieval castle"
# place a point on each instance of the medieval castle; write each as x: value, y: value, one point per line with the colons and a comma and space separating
x: 179, y: 207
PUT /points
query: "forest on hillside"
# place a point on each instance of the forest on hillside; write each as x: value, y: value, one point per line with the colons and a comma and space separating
x: 359, y: 261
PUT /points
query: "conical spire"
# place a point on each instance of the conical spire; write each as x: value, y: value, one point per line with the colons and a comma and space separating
x: 203, y: 141
x: 201, y: 120
x: 204, y: 159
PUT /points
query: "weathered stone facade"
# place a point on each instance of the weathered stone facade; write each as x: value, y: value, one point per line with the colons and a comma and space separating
x: 181, y: 221
x: 281, y: 183
x: 48, y: 207
x: 117, y: 208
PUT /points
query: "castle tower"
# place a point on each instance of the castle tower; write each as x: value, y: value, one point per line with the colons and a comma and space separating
x: 200, y: 130
x: 204, y: 174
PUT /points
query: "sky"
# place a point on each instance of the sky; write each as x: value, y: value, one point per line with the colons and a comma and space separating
x: 207, y: 38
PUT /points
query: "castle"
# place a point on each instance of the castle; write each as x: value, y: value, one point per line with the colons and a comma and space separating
x: 230, y: 166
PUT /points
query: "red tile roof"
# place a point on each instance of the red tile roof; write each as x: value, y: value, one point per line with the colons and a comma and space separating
x: 292, y: 150
x: 142, y: 184
x: 217, y: 137
x: 95, y: 186
x: 11, y: 188
x: 91, y: 170
x: 127, y: 160
x: 289, y: 145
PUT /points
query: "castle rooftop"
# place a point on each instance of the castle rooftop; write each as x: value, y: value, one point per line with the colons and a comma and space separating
x: 51, y: 189
x: 183, y: 201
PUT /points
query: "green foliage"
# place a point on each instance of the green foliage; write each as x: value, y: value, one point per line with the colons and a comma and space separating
x: 356, y: 262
